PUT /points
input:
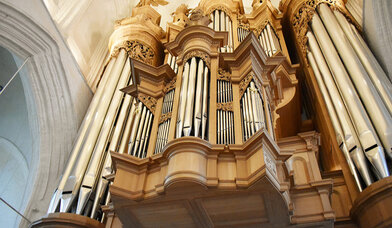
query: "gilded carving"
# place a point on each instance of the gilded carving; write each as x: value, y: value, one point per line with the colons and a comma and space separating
x: 152, y: 2
x: 225, y: 106
x: 139, y: 51
x: 170, y: 86
x: 148, y: 101
x: 165, y: 117
x: 223, y: 75
x: 243, y: 22
x: 180, y: 16
x: 304, y: 15
x: 201, y: 54
x: 220, y: 8
x: 245, y: 82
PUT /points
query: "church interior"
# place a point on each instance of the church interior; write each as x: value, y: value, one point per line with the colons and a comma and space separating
x: 196, y: 113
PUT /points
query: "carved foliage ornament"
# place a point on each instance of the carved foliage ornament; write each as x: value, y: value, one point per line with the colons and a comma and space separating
x: 165, y: 117
x: 245, y: 82
x: 201, y: 54
x: 243, y: 22
x: 139, y: 51
x: 148, y: 101
x: 222, y: 8
x: 225, y: 106
x: 304, y: 15
x: 152, y: 2
x: 171, y: 85
x: 223, y: 75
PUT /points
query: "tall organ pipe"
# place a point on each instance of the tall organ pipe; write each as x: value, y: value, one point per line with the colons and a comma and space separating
x: 373, y: 68
x: 91, y: 175
x: 334, y: 118
x: 190, y: 98
x: 349, y: 135
x: 205, y: 103
x: 366, y: 133
x: 199, y: 98
x: 83, y: 130
x: 106, y: 169
x: 377, y: 111
x: 73, y: 182
x: 127, y: 128
x: 182, y: 103
x: 134, y: 128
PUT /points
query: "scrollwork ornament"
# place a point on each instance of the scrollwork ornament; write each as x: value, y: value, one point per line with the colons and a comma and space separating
x: 201, y: 54
x: 139, y: 51
x: 225, y: 106
x: 148, y: 101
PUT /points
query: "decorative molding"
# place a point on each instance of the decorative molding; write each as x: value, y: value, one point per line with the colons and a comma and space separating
x: 225, y: 106
x: 201, y: 54
x: 245, y: 82
x: 165, y: 117
x: 148, y: 101
x: 140, y: 51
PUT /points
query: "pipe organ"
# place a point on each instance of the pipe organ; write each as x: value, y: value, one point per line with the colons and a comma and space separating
x: 200, y: 123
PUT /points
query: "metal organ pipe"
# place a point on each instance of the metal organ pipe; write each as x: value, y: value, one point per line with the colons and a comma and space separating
x: 366, y: 133
x: 216, y: 20
x: 75, y: 177
x: 90, y: 178
x: 181, y: 108
x: 225, y: 132
x: 335, y: 121
x: 134, y: 129
x: 252, y: 111
x: 193, y: 106
x: 372, y: 101
x: 190, y: 98
x: 83, y: 131
x: 373, y: 68
x: 199, y: 98
x: 350, y: 138
x: 222, y: 22
x: 163, y: 129
x: 127, y: 128
x: 271, y: 38
x: 267, y: 41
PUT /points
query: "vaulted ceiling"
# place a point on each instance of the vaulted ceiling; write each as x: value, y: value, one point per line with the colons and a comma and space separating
x: 86, y: 26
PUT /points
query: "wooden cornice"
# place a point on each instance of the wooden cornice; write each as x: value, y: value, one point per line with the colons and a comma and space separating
x: 195, y: 32
x: 148, y: 79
